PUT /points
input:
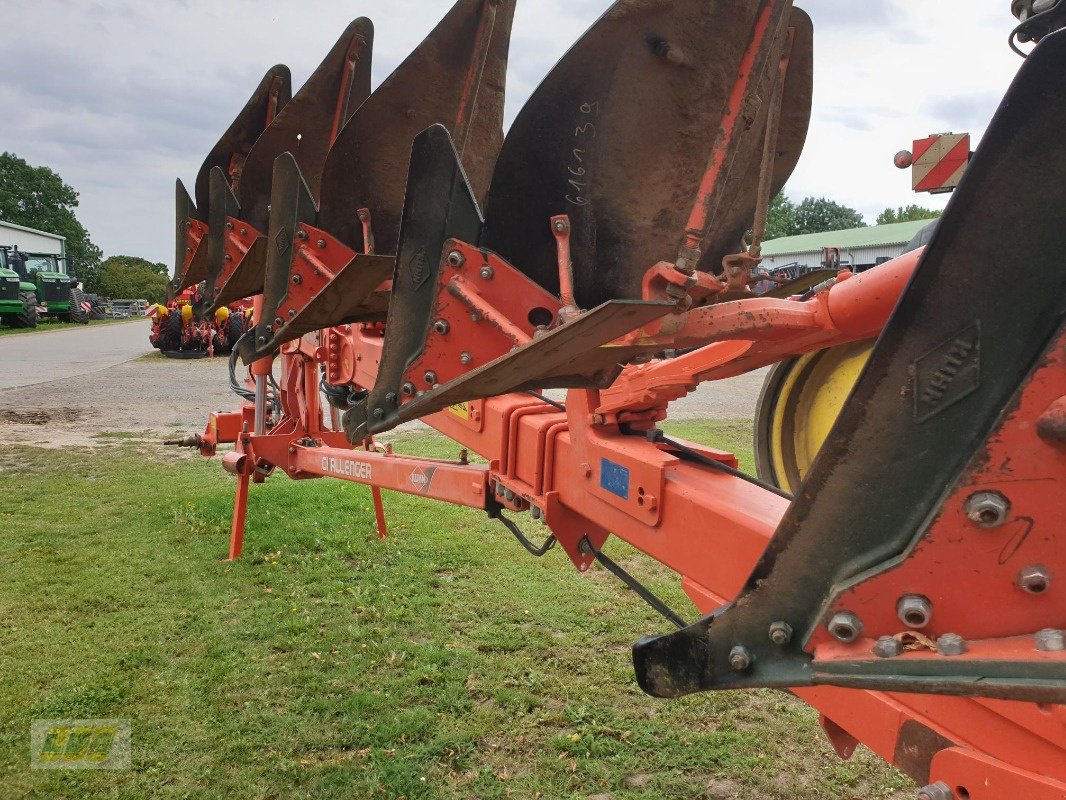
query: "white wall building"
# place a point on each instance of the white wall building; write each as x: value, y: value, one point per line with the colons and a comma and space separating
x: 29, y: 240
x: 860, y: 248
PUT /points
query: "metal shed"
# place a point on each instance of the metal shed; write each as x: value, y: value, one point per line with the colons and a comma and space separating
x: 860, y: 248
x: 30, y: 240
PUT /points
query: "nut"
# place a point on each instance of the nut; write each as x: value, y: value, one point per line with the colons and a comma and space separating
x: 408, y: 389
x: 987, y: 509
x: 456, y: 259
x: 441, y: 326
x: 508, y: 495
x: 379, y: 413
x: 431, y: 378
x: 951, y: 644
x: 740, y: 658
x: 465, y: 359
x: 1050, y: 640
x: 321, y: 243
x: 914, y: 610
x: 845, y: 627
x: 1034, y: 579
x: 888, y: 647
x: 780, y: 633
x: 936, y: 791
x: 487, y: 272
x: 534, y: 512
x: 297, y: 279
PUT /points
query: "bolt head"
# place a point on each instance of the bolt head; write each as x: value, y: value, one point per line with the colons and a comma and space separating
x: 1034, y: 579
x: 499, y: 489
x: 379, y: 413
x: 1050, y: 640
x: 321, y: 243
x: 278, y: 322
x: 408, y: 389
x: 560, y: 226
x: 936, y: 791
x: 441, y: 326
x: 951, y: 644
x: 487, y: 272
x: 780, y: 633
x: 534, y: 512
x: 430, y: 378
x: 914, y: 610
x: 301, y: 234
x: 465, y: 359
x: 297, y: 279
x: 508, y: 495
x: 391, y: 398
x: 845, y: 627
x: 987, y: 509
x: 456, y: 259
x: 887, y: 647
x: 740, y: 658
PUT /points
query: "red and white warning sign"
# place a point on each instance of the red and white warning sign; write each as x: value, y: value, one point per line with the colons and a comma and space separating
x: 939, y: 162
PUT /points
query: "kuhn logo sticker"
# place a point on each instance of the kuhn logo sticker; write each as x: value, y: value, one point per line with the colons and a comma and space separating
x: 422, y: 479
x: 346, y: 468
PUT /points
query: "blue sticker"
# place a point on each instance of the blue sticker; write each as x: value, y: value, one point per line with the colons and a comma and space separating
x: 614, y: 478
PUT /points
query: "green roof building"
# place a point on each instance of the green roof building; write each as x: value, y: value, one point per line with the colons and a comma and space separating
x: 860, y: 248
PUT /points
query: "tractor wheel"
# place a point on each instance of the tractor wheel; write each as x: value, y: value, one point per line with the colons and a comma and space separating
x: 234, y: 331
x: 78, y: 314
x: 96, y: 310
x: 27, y: 318
x: 170, y: 332
x: 800, y: 401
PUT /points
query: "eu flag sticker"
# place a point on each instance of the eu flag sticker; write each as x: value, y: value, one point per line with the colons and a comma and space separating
x: 614, y: 478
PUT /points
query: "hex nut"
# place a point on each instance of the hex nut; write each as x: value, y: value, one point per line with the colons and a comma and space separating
x: 914, y: 610
x: 780, y: 633
x: 456, y: 259
x: 951, y: 644
x: 487, y: 272
x: 936, y: 791
x: 441, y: 326
x: 465, y: 359
x: 431, y: 378
x: 987, y: 509
x: 739, y: 658
x: 845, y: 627
x: 1034, y: 579
x: 1050, y: 640
x: 408, y: 389
x: 888, y: 647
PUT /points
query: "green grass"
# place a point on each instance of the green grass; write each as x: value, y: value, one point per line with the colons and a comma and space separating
x: 442, y: 662
x: 46, y: 324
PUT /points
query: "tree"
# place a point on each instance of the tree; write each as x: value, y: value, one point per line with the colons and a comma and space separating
x: 910, y: 213
x: 133, y: 278
x: 819, y: 214
x: 37, y: 198
x: 781, y: 219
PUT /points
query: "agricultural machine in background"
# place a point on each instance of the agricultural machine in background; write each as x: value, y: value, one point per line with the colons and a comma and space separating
x: 56, y: 290
x: 898, y: 566
x: 178, y: 332
x: 18, y: 296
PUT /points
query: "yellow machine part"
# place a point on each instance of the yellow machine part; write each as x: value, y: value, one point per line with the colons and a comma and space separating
x: 221, y: 315
x: 186, y: 314
x: 800, y: 402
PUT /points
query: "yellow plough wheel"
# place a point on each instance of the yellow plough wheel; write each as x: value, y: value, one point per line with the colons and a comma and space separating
x: 801, y: 399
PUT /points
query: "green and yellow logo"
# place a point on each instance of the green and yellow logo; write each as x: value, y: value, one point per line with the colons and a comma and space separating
x: 80, y: 744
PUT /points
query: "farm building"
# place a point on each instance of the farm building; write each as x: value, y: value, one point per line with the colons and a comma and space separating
x: 860, y: 248
x: 29, y: 240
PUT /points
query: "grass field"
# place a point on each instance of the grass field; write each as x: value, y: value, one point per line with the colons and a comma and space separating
x: 45, y: 324
x: 441, y: 663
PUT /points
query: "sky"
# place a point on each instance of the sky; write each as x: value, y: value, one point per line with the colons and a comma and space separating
x: 121, y: 97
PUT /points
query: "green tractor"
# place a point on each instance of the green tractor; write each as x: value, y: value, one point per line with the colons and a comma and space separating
x: 18, y: 296
x: 56, y: 289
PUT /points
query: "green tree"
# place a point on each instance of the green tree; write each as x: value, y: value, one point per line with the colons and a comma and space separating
x: 38, y: 198
x: 781, y: 219
x: 819, y: 214
x: 133, y: 278
x: 910, y: 213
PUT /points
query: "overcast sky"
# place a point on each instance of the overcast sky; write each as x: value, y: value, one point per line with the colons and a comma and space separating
x: 121, y: 97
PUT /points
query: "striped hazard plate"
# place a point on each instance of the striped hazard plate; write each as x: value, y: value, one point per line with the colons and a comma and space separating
x: 940, y: 161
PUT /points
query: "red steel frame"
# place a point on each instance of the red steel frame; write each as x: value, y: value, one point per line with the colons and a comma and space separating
x: 708, y: 526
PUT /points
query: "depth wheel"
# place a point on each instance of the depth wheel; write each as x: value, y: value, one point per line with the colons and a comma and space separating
x: 799, y: 403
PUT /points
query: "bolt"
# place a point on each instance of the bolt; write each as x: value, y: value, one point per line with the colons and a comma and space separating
x: 1034, y: 579
x: 845, y: 627
x: 914, y: 610
x: 1050, y: 640
x: 936, y: 791
x: 508, y: 495
x: 487, y: 272
x: 408, y: 389
x: 297, y: 279
x: 887, y: 647
x: 534, y: 512
x: 301, y: 234
x: 780, y: 633
x: 278, y: 322
x: 244, y: 231
x: 229, y: 257
x: 499, y: 489
x: 379, y: 413
x: 456, y: 259
x: 740, y: 658
x: 262, y: 340
x: 465, y: 359
x: 431, y: 377
x: 292, y: 313
x: 987, y: 509
x: 321, y: 243
x: 475, y: 317
x: 560, y: 225
x: 441, y: 326
x: 951, y: 644
x: 390, y: 398
x: 229, y: 226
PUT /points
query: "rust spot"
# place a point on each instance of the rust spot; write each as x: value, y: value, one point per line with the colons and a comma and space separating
x: 1051, y: 427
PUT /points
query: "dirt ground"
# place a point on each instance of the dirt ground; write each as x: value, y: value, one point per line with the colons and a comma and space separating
x: 157, y: 398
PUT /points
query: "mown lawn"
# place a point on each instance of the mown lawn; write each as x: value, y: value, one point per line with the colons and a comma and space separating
x: 46, y: 324
x: 441, y: 663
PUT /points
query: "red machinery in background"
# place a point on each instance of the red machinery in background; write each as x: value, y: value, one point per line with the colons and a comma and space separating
x: 905, y: 582
x: 177, y: 331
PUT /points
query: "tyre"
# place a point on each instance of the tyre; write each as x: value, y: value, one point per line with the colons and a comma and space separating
x: 78, y: 313
x: 27, y: 318
x: 170, y: 332
x: 235, y: 330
